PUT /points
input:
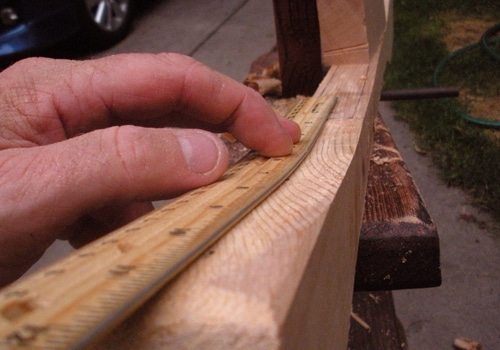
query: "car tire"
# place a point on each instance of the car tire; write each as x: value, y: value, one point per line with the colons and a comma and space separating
x: 105, y: 22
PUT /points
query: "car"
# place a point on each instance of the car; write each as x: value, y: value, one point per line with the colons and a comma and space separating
x: 30, y: 25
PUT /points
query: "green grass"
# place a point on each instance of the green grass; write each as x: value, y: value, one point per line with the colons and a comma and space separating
x: 467, y: 155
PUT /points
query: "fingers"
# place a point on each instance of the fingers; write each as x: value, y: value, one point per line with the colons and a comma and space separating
x: 131, y: 164
x: 92, y: 163
x: 142, y: 89
x: 292, y: 128
x: 45, y: 190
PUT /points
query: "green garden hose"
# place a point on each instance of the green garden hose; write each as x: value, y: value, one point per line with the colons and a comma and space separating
x: 485, y: 43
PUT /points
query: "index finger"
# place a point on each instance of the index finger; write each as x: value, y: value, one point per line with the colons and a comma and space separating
x: 134, y: 88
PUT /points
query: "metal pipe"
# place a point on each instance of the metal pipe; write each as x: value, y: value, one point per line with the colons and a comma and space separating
x: 416, y: 94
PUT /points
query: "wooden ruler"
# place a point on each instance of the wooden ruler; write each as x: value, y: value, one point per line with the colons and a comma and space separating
x: 72, y: 303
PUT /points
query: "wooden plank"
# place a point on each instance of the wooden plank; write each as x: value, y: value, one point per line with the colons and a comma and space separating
x: 283, y: 277
x: 351, y: 29
x: 399, y: 244
x: 298, y: 40
x: 384, y: 261
x: 374, y: 324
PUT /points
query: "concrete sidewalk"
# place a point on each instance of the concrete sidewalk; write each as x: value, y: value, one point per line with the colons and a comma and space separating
x: 228, y: 35
x: 467, y: 303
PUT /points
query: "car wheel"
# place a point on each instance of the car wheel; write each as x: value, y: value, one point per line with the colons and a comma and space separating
x: 105, y: 22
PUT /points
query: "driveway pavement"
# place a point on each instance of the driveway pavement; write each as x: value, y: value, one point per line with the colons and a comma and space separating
x: 467, y: 303
x: 228, y: 35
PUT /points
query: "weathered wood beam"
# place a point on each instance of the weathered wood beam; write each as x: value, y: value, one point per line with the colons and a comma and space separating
x: 299, y: 46
x: 399, y: 244
x: 374, y: 324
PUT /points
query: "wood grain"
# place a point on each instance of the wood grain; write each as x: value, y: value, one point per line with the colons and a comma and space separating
x: 376, y: 311
x: 283, y: 277
x: 399, y: 245
x: 299, y: 46
x: 350, y: 29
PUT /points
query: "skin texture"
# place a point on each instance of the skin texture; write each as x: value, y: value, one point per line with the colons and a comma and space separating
x: 85, y: 146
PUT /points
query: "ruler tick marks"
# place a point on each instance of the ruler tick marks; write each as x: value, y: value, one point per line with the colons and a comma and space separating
x: 120, y: 270
x: 17, y: 309
x: 55, y: 272
x: 16, y: 294
x: 165, y: 209
x: 151, y: 218
x: 197, y: 193
x: 55, y: 309
x: 86, y: 255
x: 125, y: 247
x: 25, y: 335
x: 109, y: 241
x: 179, y: 231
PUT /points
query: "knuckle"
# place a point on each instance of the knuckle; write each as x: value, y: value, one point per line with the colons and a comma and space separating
x: 129, y: 144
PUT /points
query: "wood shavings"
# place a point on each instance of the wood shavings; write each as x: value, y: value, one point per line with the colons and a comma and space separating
x: 384, y: 160
x: 374, y: 297
x: 381, y: 147
x: 467, y: 216
x: 265, y: 80
x: 265, y: 86
x: 360, y: 321
x: 419, y: 150
x: 236, y: 149
x: 466, y: 344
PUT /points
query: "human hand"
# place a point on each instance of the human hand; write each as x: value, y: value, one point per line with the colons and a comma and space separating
x: 84, y: 145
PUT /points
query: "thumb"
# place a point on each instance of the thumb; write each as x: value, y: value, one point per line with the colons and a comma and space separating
x: 50, y: 187
x: 130, y: 163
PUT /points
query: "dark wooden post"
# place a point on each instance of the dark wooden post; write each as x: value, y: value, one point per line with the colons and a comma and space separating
x: 299, y: 46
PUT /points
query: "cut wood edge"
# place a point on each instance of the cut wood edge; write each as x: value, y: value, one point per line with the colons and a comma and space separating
x: 283, y: 277
x: 350, y: 30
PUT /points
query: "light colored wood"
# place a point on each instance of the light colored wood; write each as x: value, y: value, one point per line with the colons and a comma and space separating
x: 283, y: 277
x: 389, y: 31
x: 351, y: 29
x: 113, y: 275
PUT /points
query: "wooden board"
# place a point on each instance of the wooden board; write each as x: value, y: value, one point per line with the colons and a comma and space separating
x: 399, y: 244
x: 395, y: 222
x: 283, y: 277
x: 374, y: 324
x: 299, y: 46
x: 351, y: 29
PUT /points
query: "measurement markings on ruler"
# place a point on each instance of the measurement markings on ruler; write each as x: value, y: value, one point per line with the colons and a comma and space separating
x: 72, y: 303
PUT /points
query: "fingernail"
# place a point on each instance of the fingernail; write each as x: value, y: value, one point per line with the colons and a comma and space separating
x: 201, y: 150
